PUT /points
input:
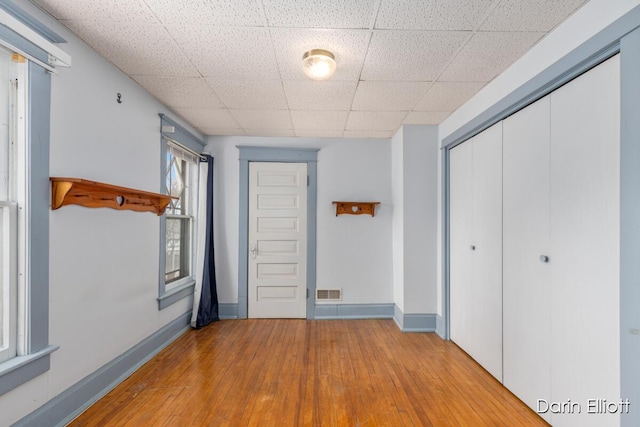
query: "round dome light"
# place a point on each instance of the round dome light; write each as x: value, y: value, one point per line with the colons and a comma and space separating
x: 318, y: 64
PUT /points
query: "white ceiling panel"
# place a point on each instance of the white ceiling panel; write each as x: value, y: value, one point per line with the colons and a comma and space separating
x: 222, y: 132
x: 388, y: 96
x: 488, y: 54
x: 330, y: 120
x: 310, y: 95
x: 368, y: 133
x: 305, y: 133
x: 208, y: 12
x: 122, y: 11
x: 529, y: 15
x: 348, y: 46
x: 425, y: 117
x: 444, y: 15
x: 137, y: 50
x: 229, y: 53
x: 319, y: 13
x: 263, y: 119
x: 250, y: 94
x: 270, y: 132
x: 191, y: 92
x: 205, y: 118
x: 375, y: 120
x: 410, y: 55
x: 234, y: 67
x: 447, y: 96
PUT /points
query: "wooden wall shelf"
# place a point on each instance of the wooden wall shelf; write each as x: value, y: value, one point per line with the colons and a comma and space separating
x: 356, y: 208
x: 92, y: 194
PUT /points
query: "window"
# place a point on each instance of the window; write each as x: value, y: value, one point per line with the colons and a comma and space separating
x: 179, y: 175
x: 181, y: 182
x: 12, y: 200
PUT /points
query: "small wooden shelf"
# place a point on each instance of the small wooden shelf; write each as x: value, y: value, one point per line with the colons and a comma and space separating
x: 92, y: 194
x: 356, y: 208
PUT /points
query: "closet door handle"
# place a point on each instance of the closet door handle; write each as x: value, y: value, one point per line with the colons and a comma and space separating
x: 472, y: 247
x: 544, y: 258
x: 254, y: 251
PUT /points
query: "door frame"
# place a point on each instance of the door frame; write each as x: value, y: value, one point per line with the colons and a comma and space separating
x: 276, y: 155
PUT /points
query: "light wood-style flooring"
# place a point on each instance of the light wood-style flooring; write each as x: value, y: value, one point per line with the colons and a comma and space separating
x: 309, y: 373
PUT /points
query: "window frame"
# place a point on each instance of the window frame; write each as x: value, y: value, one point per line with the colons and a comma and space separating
x: 37, y: 350
x: 171, y: 292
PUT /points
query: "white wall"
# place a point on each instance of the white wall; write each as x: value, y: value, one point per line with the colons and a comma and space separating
x: 353, y: 251
x: 593, y: 17
x: 103, y: 263
x: 420, y: 217
x: 414, y: 183
x: 397, y: 185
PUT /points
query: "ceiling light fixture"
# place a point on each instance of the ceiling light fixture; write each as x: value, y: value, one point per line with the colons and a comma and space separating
x: 318, y: 64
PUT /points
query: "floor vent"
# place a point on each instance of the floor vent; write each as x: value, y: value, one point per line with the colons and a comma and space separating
x: 328, y: 294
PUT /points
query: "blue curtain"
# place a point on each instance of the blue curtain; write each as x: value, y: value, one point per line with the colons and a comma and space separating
x: 205, y: 301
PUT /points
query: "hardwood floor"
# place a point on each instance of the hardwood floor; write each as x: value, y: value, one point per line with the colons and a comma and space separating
x: 309, y: 373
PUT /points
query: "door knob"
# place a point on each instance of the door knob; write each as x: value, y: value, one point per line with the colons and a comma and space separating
x: 472, y: 247
x: 254, y: 252
x: 544, y: 258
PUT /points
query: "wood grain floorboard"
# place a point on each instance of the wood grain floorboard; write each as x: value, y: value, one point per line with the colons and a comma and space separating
x: 309, y: 373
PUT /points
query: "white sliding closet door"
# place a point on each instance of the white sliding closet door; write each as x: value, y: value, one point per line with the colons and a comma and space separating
x: 585, y: 241
x: 461, y: 220
x: 487, y: 256
x: 476, y: 248
x: 526, y: 277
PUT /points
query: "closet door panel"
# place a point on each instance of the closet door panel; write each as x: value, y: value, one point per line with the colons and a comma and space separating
x: 585, y: 240
x: 487, y: 256
x: 526, y: 286
x: 460, y: 211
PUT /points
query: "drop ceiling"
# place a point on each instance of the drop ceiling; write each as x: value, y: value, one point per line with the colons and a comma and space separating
x: 234, y: 67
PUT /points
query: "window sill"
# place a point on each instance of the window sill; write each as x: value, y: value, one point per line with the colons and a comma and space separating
x: 176, y: 294
x: 20, y: 369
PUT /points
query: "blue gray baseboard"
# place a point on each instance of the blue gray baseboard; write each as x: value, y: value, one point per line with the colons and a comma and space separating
x: 440, y: 327
x: 228, y: 311
x: 414, y: 322
x: 353, y: 311
x: 63, y: 408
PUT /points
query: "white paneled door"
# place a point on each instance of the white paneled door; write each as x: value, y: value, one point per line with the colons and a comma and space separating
x: 277, y: 240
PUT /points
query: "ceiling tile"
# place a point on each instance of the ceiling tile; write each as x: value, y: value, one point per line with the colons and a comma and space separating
x: 488, y: 54
x: 208, y: 12
x: 205, y: 118
x: 263, y: 119
x: 447, y: 96
x: 228, y: 53
x: 221, y: 131
x: 331, y: 120
x: 250, y: 94
x: 306, y: 133
x: 319, y: 13
x: 425, y: 117
x: 191, y: 92
x: 448, y: 15
x: 529, y: 15
x: 270, y: 132
x: 348, y: 46
x: 388, y: 96
x: 368, y: 133
x: 122, y: 11
x: 137, y: 50
x: 410, y: 55
x: 311, y: 95
x: 375, y: 120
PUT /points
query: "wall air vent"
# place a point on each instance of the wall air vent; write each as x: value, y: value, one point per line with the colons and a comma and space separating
x: 328, y: 294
